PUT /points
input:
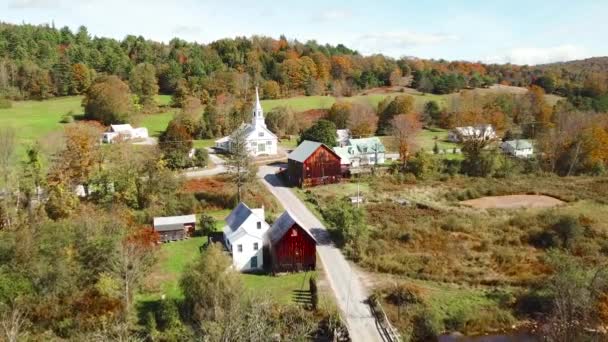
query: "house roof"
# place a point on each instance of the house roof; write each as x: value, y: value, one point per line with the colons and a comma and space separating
x: 173, y: 220
x: 365, y: 145
x: 121, y: 128
x: 519, y: 144
x: 343, y: 153
x: 304, y: 150
x: 240, y: 214
x: 282, y: 225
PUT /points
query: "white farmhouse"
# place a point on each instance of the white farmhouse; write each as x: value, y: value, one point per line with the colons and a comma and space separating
x: 244, y: 237
x: 479, y: 132
x: 124, y: 132
x: 361, y: 152
x: 518, y: 148
x: 260, y: 140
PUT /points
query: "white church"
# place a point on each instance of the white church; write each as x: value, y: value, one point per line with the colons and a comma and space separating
x: 260, y: 140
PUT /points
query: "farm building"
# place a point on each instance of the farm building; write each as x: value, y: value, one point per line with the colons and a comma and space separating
x: 292, y: 248
x: 125, y: 132
x: 313, y: 163
x: 244, y: 237
x: 479, y: 132
x: 172, y: 228
x: 518, y: 148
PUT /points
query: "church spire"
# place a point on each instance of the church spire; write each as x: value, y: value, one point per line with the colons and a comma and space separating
x: 258, y: 112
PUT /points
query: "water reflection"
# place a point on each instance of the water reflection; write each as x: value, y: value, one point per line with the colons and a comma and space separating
x: 490, y: 338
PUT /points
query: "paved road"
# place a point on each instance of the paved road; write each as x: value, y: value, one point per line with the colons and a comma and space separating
x: 216, y: 170
x: 344, y: 280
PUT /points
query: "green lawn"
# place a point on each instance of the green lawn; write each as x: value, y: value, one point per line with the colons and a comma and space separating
x: 204, y: 143
x: 281, y: 288
x: 290, y: 143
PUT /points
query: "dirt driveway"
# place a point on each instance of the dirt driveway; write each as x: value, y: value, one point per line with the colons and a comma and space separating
x: 513, y: 202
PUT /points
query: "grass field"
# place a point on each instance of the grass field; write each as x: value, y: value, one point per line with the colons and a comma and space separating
x: 35, y: 120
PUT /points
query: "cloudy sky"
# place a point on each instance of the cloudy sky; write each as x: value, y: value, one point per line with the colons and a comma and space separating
x: 520, y: 32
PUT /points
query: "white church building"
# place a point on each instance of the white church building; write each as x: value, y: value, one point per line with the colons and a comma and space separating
x: 260, y: 140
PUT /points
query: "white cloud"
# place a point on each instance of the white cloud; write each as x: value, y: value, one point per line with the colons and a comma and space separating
x: 397, y: 43
x: 21, y: 4
x: 536, y: 55
x: 331, y: 15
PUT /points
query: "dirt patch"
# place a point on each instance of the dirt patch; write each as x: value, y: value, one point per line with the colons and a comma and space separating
x: 513, y: 202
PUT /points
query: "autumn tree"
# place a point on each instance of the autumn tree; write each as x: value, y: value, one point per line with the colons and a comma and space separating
x: 239, y: 163
x: 108, y: 100
x: 271, y: 90
x: 404, y: 128
x: 176, y: 143
x: 135, y: 257
x: 340, y: 113
x: 82, y: 77
x: 80, y: 157
x: 401, y: 104
x: 363, y: 120
x: 143, y: 83
x: 282, y: 121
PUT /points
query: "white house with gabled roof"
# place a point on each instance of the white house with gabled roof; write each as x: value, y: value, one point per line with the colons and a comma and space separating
x: 260, y: 140
x: 244, y: 237
x: 124, y: 132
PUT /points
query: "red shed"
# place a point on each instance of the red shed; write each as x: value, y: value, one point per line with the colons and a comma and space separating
x: 292, y: 248
x: 313, y: 163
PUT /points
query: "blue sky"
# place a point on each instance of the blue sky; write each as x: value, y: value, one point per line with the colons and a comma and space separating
x: 521, y: 32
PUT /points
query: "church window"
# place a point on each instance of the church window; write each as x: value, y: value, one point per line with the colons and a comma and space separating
x: 261, y: 134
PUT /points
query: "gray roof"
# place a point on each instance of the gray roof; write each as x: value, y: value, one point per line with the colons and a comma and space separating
x: 238, y: 216
x: 282, y: 225
x: 173, y: 222
x: 305, y: 149
x: 519, y: 144
x: 160, y: 221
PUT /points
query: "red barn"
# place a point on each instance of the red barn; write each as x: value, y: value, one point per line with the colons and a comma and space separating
x: 313, y: 163
x: 292, y: 248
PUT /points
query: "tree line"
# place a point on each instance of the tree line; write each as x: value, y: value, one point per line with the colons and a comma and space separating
x: 38, y: 62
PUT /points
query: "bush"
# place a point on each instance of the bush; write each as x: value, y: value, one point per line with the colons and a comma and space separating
x: 67, y: 118
x: 5, y: 103
x: 201, y: 158
x: 314, y: 292
x: 426, y: 325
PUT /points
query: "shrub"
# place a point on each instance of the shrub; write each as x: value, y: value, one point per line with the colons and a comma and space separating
x: 426, y: 325
x: 201, y: 158
x: 314, y: 292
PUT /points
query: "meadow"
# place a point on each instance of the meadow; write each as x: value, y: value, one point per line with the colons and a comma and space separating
x: 471, y: 266
x: 37, y: 120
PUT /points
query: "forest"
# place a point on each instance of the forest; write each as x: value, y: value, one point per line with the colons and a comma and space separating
x: 38, y: 62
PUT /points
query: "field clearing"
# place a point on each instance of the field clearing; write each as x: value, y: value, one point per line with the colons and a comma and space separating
x: 513, y: 202
x: 35, y: 120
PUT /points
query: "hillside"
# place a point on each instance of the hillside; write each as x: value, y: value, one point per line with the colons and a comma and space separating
x: 582, y: 66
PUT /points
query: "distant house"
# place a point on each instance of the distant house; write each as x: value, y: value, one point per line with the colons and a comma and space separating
x: 244, y: 237
x: 518, y: 148
x: 260, y: 140
x: 292, y: 247
x: 172, y: 228
x: 313, y: 163
x: 342, y: 136
x: 360, y: 152
x: 124, y: 132
x: 479, y: 132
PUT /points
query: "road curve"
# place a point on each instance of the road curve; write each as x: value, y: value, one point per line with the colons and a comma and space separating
x: 345, y: 280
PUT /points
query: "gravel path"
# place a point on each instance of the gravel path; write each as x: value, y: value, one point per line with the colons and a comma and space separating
x: 345, y: 281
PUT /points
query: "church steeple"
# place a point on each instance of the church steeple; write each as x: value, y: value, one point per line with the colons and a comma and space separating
x: 258, y: 112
